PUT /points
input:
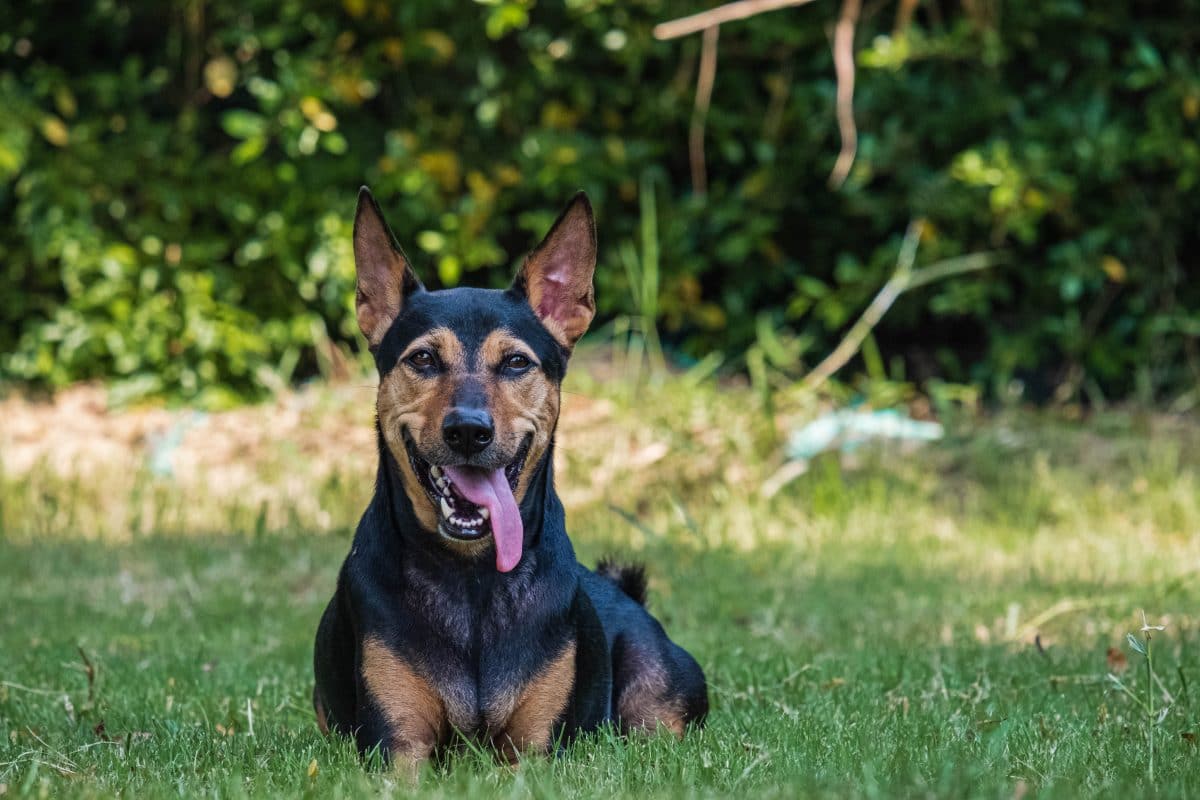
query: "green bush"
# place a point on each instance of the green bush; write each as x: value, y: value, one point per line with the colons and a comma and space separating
x: 177, y: 179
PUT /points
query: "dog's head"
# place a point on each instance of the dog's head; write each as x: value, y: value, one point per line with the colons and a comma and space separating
x: 469, y: 378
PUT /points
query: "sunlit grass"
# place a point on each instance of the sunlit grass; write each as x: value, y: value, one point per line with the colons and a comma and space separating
x: 937, y: 621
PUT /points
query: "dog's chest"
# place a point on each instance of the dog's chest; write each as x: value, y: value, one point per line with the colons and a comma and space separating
x: 479, y: 702
x: 485, y: 678
x: 483, y: 648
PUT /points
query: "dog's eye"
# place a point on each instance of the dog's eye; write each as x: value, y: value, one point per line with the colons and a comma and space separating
x: 517, y: 363
x: 422, y: 360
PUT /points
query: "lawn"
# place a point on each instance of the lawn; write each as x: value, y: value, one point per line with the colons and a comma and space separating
x: 937, y: 621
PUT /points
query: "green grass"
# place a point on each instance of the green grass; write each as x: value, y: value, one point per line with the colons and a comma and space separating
x: 868, y: 631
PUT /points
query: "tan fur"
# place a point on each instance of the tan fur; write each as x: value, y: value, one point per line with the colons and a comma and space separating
x: 410, y: 402
x: 374, y: 309
x: 540, y: 703
x: 558, y: 275
x: 559, y: 333
x: 521, y: 406
x: 415, y: 713
x: 647, y: 702
x: 322, y: 716
x: 383, y: 273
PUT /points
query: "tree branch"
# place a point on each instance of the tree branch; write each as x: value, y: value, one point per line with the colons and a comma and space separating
x: 704, y: 87
x: 903, y: 279
x: 843, y: 65
x: 729, y: 12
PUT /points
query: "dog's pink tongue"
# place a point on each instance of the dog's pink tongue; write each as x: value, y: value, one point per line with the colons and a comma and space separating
x: 491, y: 491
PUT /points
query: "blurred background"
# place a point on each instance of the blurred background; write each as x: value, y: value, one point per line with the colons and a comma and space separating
x: 177, y: 182
x: 892, y: 385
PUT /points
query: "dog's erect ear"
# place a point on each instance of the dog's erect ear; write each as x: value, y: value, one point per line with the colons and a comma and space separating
x: 556, y: 278
x: 385, y: 277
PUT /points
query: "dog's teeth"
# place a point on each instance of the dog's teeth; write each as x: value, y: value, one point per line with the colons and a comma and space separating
x: 484, y: 513
x: 436, y: 472
x: 446, y: 509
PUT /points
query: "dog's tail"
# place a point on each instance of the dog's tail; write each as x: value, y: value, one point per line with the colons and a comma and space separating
x: 629, y: 578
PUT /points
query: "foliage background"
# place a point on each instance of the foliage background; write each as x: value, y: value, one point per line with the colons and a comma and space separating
x: 177, y: 181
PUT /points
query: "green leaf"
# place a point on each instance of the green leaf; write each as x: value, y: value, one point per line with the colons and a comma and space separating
x: 248, y: 150
x: 1135, y: 643
x: 242, y: 124
x: 334, y: 143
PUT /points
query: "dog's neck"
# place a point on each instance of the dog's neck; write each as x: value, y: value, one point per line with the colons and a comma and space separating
x: 542, y: 516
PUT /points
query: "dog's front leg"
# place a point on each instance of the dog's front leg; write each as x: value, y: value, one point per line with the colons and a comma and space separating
x: 398, y: 710
x: 540, y: 708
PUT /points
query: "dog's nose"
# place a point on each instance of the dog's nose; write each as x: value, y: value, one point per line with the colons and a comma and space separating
x: 468, y: 430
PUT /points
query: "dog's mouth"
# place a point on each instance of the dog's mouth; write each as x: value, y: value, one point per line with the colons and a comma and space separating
x: 474, y: 502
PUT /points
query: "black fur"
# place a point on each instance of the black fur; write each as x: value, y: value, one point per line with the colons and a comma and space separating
x: 475, y: 634
x: 629, y: 578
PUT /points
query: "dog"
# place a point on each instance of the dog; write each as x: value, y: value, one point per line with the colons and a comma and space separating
x: 461, y: 613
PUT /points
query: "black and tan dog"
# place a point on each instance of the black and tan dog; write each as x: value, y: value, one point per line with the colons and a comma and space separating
x: 461, y: 610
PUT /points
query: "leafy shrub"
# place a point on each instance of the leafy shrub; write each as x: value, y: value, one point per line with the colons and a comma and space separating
x: 177, y: 180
